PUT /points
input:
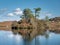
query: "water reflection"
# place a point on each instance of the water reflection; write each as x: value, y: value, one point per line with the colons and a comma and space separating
x: 47, y: 36
x: 8, y: 38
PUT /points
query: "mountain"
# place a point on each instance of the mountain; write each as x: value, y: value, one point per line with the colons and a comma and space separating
x: 6, y: 25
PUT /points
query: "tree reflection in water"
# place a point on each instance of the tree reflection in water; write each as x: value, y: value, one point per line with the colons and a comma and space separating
x: 37, y: 41
x: 47, y: 36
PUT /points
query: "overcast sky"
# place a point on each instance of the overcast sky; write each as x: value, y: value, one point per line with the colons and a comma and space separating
x: 12, y: 9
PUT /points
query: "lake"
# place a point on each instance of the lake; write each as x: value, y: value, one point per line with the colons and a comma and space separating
x: 8, y: 38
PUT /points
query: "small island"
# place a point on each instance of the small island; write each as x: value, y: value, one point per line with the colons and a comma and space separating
x: 29, y: 26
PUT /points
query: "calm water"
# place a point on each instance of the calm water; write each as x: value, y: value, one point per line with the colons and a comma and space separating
x: 7, y: 38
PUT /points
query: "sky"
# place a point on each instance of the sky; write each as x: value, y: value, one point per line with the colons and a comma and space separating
x: 10, y: 10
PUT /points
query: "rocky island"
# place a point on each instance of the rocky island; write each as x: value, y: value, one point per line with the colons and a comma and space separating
x: 29, y: 26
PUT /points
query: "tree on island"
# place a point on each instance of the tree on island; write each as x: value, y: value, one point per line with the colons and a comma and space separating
x: 37, y: 11
x: 27, y: 13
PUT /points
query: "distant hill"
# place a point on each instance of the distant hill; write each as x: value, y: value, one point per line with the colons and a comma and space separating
x: 55, y: 19
x: 6, y: 25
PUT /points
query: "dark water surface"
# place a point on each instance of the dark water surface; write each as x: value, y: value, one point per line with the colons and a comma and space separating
x: 7, y: 38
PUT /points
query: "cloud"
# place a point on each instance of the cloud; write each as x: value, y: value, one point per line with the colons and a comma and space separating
x: 48, y: 14
x: 10, y: 14
x: 43, y: 14
x: 18, y: 11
